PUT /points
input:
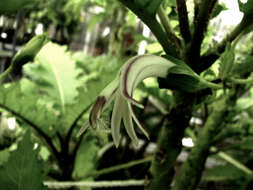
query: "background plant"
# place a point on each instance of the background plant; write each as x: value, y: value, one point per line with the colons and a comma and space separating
x: 58, y: 86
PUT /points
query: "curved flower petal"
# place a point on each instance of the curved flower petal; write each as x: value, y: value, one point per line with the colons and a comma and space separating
x: 128, y: 123
x: 137, y: 121
x: 96, y: 110
x: 140, y: 67
x: 116, y: 119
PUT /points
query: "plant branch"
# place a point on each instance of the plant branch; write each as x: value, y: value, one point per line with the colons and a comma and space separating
x: 62, y: 142
x: 201, y: 23
x: 190, y: 173
x: 209, y: 58
x: 91, y: 184
x: 154, y: 26
x: 183, y: 21
x: 242, y: 81
x: 169, y: 146
x: 6, y: 72
x: 166, y: 25
x: 36, y: 128
x: 73, y: 125
x: 118, y: 167
x: 77, y: 145
x: 211, y: 84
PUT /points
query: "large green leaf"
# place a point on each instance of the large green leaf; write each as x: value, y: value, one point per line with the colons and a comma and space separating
x: 23, y: 100
x: 11, y: 6
x: 55, y: 73
x: 4, y: 156
x: 23, y: 170
x: 87, y: 155
x: 100, y: 72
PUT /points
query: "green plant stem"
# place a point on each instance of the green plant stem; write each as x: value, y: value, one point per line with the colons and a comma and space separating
x: 6, y: 72
x: 183, y: 21
x: 209, y: 58
x: 242, y: 81
x: 232, y: 36
x: 168, y: 47
x: 118, y: 167
x: 116, y: 40
x: 72, y: 127
x: 169, y: 146
x: 90, y: 184
x: 190, y: 172
x: 168, y: 29
x: 201, y: 23
x: 233, y: 161
x: 154, y: 26
x: 211, y: 84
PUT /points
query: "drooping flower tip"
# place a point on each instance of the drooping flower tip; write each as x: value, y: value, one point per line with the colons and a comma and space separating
x: 96, y: 110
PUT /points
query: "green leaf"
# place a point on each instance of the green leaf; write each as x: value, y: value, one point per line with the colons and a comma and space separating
x: 23, y: 171
x: 218, y: 9
x: 12, y: 6
x: 87, y: 155
x: 223, y: 173
x: 181, y: 77
x: 181, y: 82
x: 28, y: 106
x: 153, y: 6
x: 171, y: 3
x: 55, y: 73
x: 148, y: 7
x: 4, y: 156
x: 226, y: 62
x: 246, y: 8
x: 100, y: 72
x: 247, y: 21
x: 244, y: 66
x: 246, y: 144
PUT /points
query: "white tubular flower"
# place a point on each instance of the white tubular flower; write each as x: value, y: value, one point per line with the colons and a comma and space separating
x: 131, y: 74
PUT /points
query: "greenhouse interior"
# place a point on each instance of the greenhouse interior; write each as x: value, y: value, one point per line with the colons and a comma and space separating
x: 126, y: 94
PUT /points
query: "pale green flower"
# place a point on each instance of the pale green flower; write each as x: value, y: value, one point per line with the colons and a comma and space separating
x: 121, y: 89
